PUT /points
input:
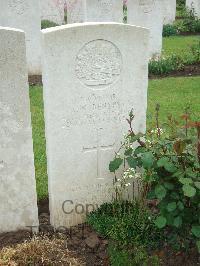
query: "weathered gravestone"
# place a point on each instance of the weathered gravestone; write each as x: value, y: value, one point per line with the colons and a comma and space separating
x: 18, y: 203
x: 94, y: 73
x: 194, y: 5
x: 149, y: 14
x: 169, y: 11
x: 94, y: 11
x: 25, y: 15
x: 53, y: 10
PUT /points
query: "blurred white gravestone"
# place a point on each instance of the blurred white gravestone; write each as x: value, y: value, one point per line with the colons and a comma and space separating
x: 86, y: 106
x: 53, y: 10
x: 169, y: 11
x: 149, y: 14
x: 94, y: 11
x: 25, y: 15
x: 18, y: 202
x: 194, y: 5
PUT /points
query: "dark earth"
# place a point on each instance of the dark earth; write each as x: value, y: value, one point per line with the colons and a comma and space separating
x: 187, y: 71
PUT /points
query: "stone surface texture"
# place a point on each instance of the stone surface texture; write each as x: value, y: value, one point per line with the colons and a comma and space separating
x: 194, y: 4
x: 25, y: 15
x: 94, y: 74
x: 149, y: 14
x: 95, y: 11
x: 53, y: 10
x: 169, y: 11
x: 18, y: 203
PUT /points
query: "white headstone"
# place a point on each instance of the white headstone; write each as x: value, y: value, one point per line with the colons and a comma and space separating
x: 94, y: 11
x: 25, y: 15
x: 169, y: 11
x: 18, y: 203
x: 53, y: 10
x: 94, y: 74
x: 194, y: 5
x: 149, y: 14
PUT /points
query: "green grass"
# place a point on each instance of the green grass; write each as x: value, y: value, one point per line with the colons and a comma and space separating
x: 179, y: 45
x: 39, y: 141
x: 173, y: 94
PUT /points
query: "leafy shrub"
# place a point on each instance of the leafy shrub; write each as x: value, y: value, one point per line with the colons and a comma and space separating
x: 48, y: 24
x: 195, y: 49
x: 169, y: 163
x: 189, y: 23
x: 169, y: 30
x: 136, y: 256
x: 127, y: 223
x: 165, y: 65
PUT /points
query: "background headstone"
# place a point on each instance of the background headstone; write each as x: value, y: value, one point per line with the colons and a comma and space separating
x: 53, y: 10
x: 194, y: 4
x: 25, y: 15
x: 76, y: 11
x: 169, y: 11
x: 149, y: 14
x: 86, y: 106
x: 18, y: 202
x: 95, y: 11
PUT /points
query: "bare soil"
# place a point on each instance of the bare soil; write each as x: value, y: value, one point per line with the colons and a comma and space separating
x: 35, y: 80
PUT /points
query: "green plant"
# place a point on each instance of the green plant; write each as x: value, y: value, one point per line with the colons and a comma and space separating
x: 169, y: 161
x: 169, y: 30
x: 48, y: 24
x: 189, y: 23
x: 128, y: 223
x: 195, y: 49
x: 165, y: 65
x: 134, y: 256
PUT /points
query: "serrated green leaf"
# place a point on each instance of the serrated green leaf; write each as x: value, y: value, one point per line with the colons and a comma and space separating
x: 161, y: 162
x: 185, y: 181
x: 160, y: 222
x: 169, y: 186
x: 139, y: 150
x: 115, y: 164
x: 170, y: 167
x: 196, y: 230
x: 174, y: 195
x: 160, y: 191
x: 190, y: 173
x: 197, y: 184
x: 178, y: 174
x: 170, y: 218
x: 171, y: 206
x: 131, y: 162
x: 128, y: 152
x: 180, y: 205
x: 178, y: 221
x: 147, y: 160
x: 189, y: 191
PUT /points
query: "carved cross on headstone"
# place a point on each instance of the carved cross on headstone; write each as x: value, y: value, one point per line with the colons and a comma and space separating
x: 99, y: 149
